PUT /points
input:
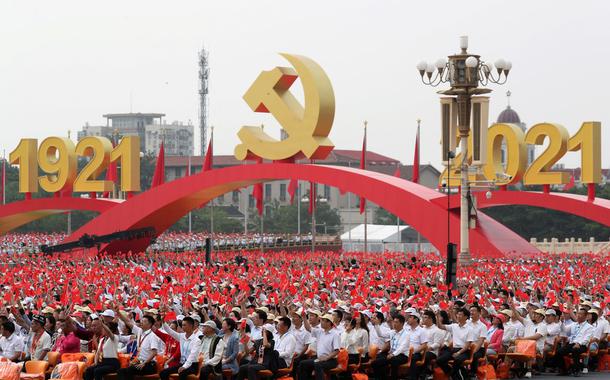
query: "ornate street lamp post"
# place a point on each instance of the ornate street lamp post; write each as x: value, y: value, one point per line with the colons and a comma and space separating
x: 464, y: 72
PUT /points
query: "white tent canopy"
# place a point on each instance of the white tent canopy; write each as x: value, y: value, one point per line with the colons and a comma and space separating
x: 376, y: 233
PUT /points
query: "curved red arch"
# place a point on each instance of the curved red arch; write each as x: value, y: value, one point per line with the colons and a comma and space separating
x: 15, y: 214
x: 417, y: 205
x: 597, y: 210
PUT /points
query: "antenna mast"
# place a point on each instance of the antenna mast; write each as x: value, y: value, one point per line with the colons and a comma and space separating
x: 204, y: 73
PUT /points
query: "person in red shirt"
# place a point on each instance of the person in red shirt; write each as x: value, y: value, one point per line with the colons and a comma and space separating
x: 67, y: 343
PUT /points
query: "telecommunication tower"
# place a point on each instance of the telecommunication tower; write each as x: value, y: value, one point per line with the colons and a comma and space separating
x: 204, y: 73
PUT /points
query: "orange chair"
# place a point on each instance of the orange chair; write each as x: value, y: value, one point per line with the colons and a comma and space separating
x: 160, y: 361
x: 342, y: 357
x: 85, y: 357
x: 351, y: 368
x: 36, y: 369
x: 373, y: 351
x: 403, y: 369
x: 52, y: 359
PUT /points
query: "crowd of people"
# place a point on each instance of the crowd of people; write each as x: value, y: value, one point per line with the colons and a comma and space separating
x: 389, y: 315
x: 167, y: 242
x: 184, y: 241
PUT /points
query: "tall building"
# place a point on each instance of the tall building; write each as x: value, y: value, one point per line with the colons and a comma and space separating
x: 150, y: 127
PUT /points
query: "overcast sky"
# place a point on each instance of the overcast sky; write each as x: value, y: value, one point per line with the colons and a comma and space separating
x: 65, y: 63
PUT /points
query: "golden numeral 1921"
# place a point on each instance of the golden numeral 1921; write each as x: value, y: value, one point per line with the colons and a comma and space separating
x: 57, y: 158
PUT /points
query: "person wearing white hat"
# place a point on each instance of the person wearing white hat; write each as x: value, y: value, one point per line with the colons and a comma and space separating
x: 513, y: 329
x: 535, y: 329
x: 212, y: 347
x: 328, y: 343
x: 553, y: 328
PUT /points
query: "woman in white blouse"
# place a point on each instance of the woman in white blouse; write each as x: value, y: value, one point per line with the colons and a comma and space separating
x: 106, y: 354
x: 355, y: 336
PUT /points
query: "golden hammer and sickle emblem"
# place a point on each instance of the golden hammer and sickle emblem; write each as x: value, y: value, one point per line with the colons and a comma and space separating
x: 307, y: 127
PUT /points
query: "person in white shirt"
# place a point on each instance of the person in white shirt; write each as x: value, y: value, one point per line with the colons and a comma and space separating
x: 479, y: 331
x: 285, y: 342
x: 553, y: 329
x: 513, y: 329
x: 328, y: 343
x: 148, y: 346
x: 301, y: 336
x: 578, y: 342
x: 11, y: 345
x: 379, y: 333
x: 212, y: 347
x: 418, y: 342
x: 398, y: 354
x: 462, y: 337
x: 40, y: 340
x: 190, y: 345
x: 355, y: 337
x: 535, y: 329
x: 106, y: 355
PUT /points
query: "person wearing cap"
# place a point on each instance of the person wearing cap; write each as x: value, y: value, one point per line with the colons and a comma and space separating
x: 11, y: 345
x: 40, y: 341
x: 67, y: 342
x: 328, y: 343
x: 399, y: 351
x: 581, y: 333
x: 513, y: 329
x: 212, y: 347
x: 418, y: 341
x: 189, y: 347
x: 148, y: 345
x: 462, y: 337
x: 598, y: 337
x: 535, y: 329
x: 553, y: 328
x: 108, y: 315
x: 495, y: 333
x: 301, y: 336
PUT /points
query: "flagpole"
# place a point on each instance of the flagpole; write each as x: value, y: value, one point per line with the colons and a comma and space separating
x: 397, y: 218
x: 298, y: 209
x: 213, y: 199
x: 3, y: 176
x: 190, y: 212
x: 366, y: 247
x: 349, y: 213
x: 418, y: 234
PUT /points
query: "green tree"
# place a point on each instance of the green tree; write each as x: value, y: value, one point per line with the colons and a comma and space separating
x: 383, y: 216
x: 284, y: 219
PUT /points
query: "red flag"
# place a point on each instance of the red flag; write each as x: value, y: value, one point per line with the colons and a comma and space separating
x: 363, y: 166
x: 415, y: 177
x: 312, y: 197
x: 257, y: 193
x: 111, y: 175
x: 209, y: 155
x: 292, y: 188
x: 397, y: 171
x: 569, y: 185
x: 159, y: 176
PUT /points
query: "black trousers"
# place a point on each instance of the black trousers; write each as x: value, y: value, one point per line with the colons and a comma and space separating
x: 480, y: 353
x: 380, y: 366
x: 131, y: 371
x: 446, y: 355
x: 206, y: 371
x: 249, y: 371
x: 307, y: 366
x: 416, y: 371
x: 569, y: 350
x: 97, y: 372
x: 192, y: 370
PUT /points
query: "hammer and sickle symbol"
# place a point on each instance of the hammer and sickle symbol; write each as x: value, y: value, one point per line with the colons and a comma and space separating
x: 307, y: 127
